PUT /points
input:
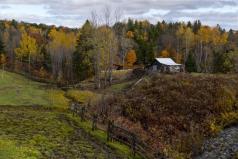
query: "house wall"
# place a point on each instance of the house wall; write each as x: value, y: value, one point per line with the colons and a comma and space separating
x: 164, y: 68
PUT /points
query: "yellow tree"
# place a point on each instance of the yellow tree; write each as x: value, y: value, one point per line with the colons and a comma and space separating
x: 130, y: 34
x: 61, y: 47
x: 3, y: 62
x: 210, y: 39
x: 164, y: 53
x: 28, y: 48
x: 108, y: 46
x: 131, y: 58
x: 205, y: 38
x: 187, y: 37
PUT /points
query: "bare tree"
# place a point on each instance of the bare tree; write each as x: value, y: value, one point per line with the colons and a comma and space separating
x: 97, y: 57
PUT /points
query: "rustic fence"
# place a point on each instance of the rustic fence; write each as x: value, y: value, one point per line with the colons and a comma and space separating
x: 116, y: 133
x: 130, y: 139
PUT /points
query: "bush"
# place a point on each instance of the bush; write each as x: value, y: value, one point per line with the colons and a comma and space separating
x: 83, y: 96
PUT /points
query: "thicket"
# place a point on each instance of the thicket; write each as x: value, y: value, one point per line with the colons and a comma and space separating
x: 175, y: 114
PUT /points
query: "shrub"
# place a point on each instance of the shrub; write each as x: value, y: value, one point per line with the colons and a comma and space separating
x: 57, y: 99
x: 83, y: 96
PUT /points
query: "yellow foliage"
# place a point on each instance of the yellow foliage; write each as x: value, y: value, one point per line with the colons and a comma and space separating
x: 229, y: 118
x: 130, y: 34
x: 214, y: 128
x: 2, y: 59
x: 42, y: 72
x: 165, y: 53
x: 131, y: 58
x: 60, y: 40
x: 83, y: 96
x: 58, y: 100
x: 28, y: 46
x: 213, y: 35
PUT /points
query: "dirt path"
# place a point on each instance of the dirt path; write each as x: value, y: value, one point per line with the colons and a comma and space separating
x: 224, y: 146
x: 100, y: 150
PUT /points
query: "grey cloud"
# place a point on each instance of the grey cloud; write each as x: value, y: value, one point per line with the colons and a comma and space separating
x: 75, y: 12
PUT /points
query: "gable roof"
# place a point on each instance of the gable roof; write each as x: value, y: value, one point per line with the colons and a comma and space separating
x: 167, y: 61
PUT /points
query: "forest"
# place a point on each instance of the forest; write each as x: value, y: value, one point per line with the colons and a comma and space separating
x: 67, y: 55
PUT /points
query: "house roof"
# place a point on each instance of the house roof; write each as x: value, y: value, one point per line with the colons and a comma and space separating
x: 167, y: 61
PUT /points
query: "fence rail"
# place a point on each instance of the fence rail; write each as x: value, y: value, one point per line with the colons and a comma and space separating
x: 128, y: 138
x: 116, y: 133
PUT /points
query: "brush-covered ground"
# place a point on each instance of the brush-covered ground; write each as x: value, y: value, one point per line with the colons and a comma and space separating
x: 35, y: 124
x: 175, y: 114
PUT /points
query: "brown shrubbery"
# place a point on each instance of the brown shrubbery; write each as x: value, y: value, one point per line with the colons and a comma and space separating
x: 175, y: 113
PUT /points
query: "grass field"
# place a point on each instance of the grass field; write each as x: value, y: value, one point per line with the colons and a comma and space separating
x: 40, y: 133
x: 29, y: 130
x: 18, y: 90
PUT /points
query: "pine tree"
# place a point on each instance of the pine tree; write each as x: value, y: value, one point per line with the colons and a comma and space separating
x: 190, y: 64
x: 82, y: 57
x: 2, y: 47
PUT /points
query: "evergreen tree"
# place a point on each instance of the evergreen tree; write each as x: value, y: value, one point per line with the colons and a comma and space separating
x: 2, y: 47
x: 83, y: 58
x: 190, y: 64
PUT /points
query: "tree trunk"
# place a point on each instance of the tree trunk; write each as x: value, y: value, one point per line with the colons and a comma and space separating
x: 29, y: 64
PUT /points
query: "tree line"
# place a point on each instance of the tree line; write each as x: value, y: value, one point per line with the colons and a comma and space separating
x: 105, y: 43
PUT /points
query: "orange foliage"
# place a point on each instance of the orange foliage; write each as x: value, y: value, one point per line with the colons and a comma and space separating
x: 131, y: 58
x: 165, y: 53
x: 130, y: 34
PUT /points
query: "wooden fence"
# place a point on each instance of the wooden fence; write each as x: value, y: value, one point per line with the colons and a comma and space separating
x: 126, y: 137
x: 116, y: 133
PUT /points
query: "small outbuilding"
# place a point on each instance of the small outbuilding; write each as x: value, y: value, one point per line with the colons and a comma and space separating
x: 165, y: 65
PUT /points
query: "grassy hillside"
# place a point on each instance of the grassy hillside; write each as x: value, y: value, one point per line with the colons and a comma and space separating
x: 18, y: 90
x: 29, y: 130
x: 40, y: 133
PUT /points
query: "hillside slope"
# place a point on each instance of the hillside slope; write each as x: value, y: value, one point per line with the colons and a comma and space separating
x: 176, y: 113
x: 18, y: 90
x: 36, y: 124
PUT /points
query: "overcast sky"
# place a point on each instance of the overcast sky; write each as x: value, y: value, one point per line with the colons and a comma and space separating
x: 73, y: 13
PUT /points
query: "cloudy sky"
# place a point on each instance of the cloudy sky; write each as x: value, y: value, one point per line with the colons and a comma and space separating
x: 73, y: 13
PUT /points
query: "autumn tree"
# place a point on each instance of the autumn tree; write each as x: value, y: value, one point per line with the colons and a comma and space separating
x: 186, y: 37
x: 61, y: 48
x: 11, y: 37
x: 28, y: 48
x: 165, y: 54
x: 131, y: 58
x: 105, y: 47
x: 210, y: 40
x: 3, y: 61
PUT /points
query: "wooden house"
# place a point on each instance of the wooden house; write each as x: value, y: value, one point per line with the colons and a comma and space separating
x: 165, y: 65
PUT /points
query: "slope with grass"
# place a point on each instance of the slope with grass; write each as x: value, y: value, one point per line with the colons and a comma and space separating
x: 36, y: 124
x: 18, y: 90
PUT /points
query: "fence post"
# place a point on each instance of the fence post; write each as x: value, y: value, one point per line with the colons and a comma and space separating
x: 94, y: 124
x: 133, y: 144
x: 82, y: 114
x: 108, y: 130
